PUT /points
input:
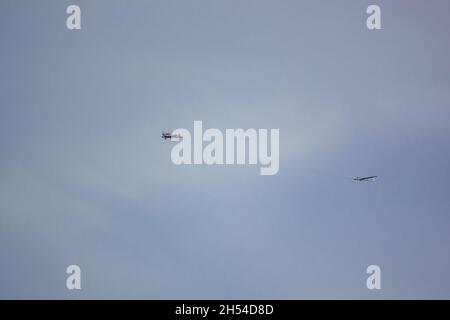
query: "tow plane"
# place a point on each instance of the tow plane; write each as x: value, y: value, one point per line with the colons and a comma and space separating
x: 168, y: 135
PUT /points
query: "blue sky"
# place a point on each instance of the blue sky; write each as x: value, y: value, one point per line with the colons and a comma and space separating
x: 86, y: 180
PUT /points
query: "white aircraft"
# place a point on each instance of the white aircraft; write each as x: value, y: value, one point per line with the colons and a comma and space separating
x: 168, y: 135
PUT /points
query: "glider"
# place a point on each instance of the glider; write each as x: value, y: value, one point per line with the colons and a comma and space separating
x: 366, y: 179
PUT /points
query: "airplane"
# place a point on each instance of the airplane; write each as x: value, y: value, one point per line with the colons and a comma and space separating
x: 168, y: 135
x: 366, y: 179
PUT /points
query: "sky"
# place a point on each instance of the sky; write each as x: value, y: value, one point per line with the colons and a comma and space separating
x: 85, y: 178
